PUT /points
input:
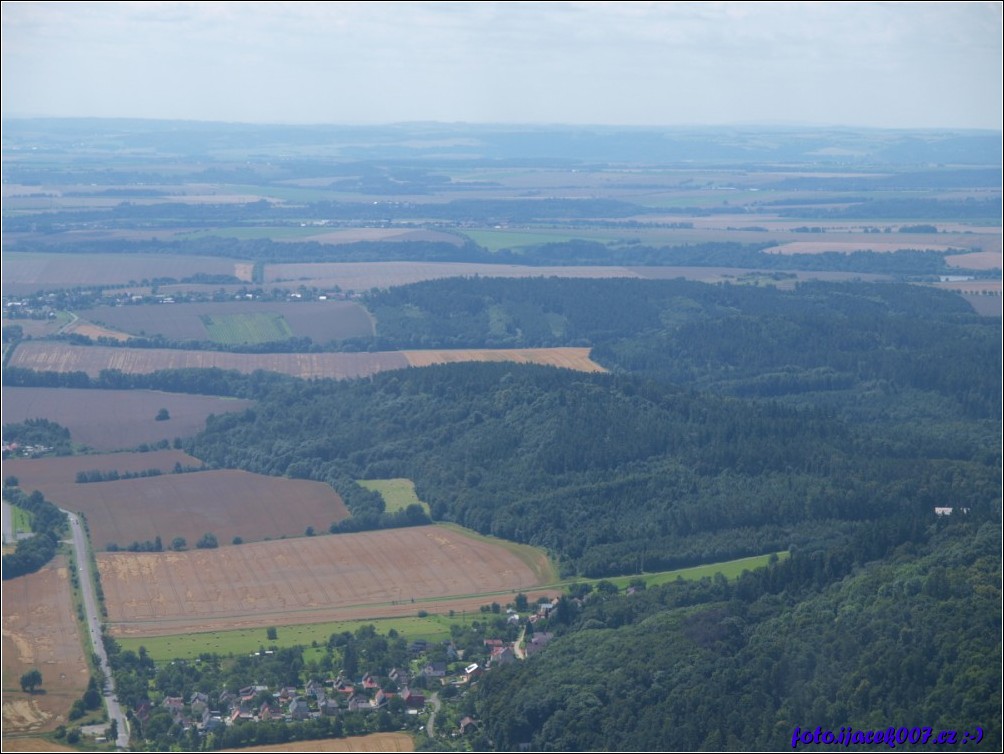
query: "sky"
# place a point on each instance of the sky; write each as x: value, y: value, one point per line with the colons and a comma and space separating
x: 886, y: 65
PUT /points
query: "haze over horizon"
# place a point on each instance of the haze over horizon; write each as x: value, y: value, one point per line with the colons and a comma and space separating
x: 901, y: 65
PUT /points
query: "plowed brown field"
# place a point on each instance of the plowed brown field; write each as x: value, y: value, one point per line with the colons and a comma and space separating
x: 225, y: 503
x: 309, y: 580
x: 116, y: 419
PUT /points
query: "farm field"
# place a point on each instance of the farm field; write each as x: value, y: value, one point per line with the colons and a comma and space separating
x: 985, y: 306
x: 28, y: 743
x: 226, y: 503
x: 848, y: 247
x: 27, y: 272
x: 567, y: 358
x: 190, y: 645
x: 386, y: 573
x: 116, y: 419
x: 61, y: 357
x: 40, y: 632
x: 979, y: 260
x: 237, y: 322
x: 42, y: 473
x: 374, y: 742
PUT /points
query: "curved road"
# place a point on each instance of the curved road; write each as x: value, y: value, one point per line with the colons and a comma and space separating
x: 93, y: 619
x: 430, y: 727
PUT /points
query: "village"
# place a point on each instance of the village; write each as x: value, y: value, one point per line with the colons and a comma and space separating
x: 416, y: 685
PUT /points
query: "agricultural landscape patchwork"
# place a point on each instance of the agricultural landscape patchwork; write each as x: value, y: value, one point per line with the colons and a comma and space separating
x: 660, y: 411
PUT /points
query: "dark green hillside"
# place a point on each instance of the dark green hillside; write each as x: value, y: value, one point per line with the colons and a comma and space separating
x: 611, y: 474
x: 894, y: 348
x: 832, y: 641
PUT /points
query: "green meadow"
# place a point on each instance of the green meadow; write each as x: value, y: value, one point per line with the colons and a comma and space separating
x: 246, y: 328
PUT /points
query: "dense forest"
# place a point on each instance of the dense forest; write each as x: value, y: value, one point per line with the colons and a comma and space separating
x: 899, y: 626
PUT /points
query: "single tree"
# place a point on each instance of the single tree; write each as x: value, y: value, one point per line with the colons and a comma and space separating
x: 163, y: 415
x: 31, y: 680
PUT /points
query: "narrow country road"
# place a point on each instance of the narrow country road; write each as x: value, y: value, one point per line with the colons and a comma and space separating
x: 92, y: 617
x: 430, y: 727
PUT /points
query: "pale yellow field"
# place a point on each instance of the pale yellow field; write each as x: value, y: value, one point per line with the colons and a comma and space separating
x: 35, y: 744
x: 310, y: 579
x: 40, y: 631
x: 979, y: 260
x: 568, y: 358
x: 62, y: 357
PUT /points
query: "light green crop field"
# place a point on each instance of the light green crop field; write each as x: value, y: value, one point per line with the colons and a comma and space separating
x: 730, y: 569
x: 20, y: 520
x: 493, y: 240
x: 246, y: 641
x: 397, y: 494
x: 251, y: 327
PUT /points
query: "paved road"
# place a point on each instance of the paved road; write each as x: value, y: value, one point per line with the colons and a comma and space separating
x: 93, y: 618
x: 430, y: 727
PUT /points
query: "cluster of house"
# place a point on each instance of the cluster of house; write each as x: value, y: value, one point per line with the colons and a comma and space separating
x: 16, y: 449
x: 258, y: 703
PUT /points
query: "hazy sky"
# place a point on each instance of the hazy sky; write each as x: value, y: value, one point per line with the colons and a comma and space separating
x: 912, y: 64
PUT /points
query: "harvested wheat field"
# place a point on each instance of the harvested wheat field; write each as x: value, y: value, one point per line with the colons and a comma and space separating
x: 60, y: 357
x: 311, y: 579
x: 568, y: 358
x: 375, y: 742
x: 978, y: 260
x: 29, y: 743
x: 40, y: 632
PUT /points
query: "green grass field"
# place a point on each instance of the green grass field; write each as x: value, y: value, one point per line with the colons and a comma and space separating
x: 397, y: 494
x: 249, y: 328
x: 20, y: 520
x: 189, y: 646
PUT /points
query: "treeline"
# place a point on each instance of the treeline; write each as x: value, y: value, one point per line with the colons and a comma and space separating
x: 96, y: 475
x: 39, y: 433
x: 898, y: 627
x: 48, y: 524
